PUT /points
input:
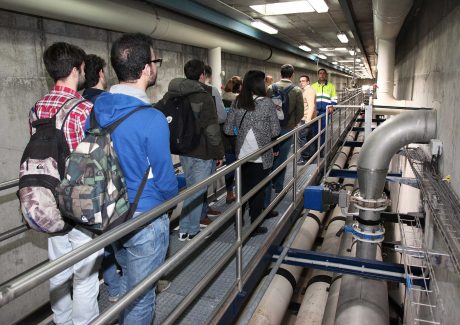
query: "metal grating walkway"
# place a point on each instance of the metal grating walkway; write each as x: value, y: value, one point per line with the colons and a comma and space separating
x: 193, y: 271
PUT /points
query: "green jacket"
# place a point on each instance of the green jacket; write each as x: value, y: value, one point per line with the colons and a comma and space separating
x: 295, y: 103
x: 204, y: 109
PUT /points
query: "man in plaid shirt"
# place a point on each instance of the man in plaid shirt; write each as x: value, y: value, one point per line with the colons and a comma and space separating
x: 65, y: 64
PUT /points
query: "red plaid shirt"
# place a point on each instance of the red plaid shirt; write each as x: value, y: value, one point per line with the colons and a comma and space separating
x: 74, y: 128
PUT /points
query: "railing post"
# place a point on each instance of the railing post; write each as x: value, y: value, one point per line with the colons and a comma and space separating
x: 368, y: 119
x: 294, y: 165
x: 340, y: 122
x: 239, y: 231
x: 318, y: 151
x: 326, y: 140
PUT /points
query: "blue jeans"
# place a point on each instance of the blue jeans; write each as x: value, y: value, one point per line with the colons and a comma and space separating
x: 195, y: 171
x: 323, y: 125
x: 284, y: 147
x: 204, y: 210
x: 306, y: 135
x: 139, y: 254
x: 109, y: 272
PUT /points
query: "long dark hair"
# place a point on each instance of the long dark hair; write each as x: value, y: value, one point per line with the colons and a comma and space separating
x: 253, y: 84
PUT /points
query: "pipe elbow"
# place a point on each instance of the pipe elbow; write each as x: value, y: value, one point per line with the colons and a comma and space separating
x: 385, y: 141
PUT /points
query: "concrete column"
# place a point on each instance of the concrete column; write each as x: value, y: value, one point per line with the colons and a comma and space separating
x: 215, y: 61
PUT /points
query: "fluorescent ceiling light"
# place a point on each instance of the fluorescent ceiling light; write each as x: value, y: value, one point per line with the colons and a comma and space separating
x: 335, y: 63
x: 283, y: 8
x: 319, y: 5
x: 341, y: 49
x: 342, y: 37
x: 342, y: 66
x: 326, y: 49
x: 322, y: 56
x: 352, y: 52
x: 304, y: 48
x: 264, y: 27
x: 346, y: 61
x: 358, y: 60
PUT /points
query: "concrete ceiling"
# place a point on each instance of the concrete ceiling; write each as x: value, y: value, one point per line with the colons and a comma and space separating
x: 316, y: 30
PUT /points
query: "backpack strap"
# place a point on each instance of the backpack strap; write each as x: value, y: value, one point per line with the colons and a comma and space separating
x: 133, y: 207
x: 242, y: 119
x: 110, y: 128
x: 275, y: 89
x: 288, y: 89
x: 72, y: 102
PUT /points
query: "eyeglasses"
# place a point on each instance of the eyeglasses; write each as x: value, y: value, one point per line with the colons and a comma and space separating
x: 156, y: 61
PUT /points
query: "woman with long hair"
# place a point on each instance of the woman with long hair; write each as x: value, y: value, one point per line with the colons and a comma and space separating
x: 253, y: 118
x: 231, y: 91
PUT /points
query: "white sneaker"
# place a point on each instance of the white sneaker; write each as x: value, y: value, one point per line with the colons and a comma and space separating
x: 183, y: 236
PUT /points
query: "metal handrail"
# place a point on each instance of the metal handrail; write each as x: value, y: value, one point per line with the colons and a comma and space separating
x: 155, y: 276
x: 27, y: 281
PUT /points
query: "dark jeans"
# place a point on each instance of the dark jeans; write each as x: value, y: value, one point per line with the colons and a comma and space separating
x: 306, y: 135
x: 284, y: 147
x: 252, y: 174
x: 230, y: 177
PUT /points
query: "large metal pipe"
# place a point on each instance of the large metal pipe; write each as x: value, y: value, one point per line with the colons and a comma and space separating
x: 157, y: 22
x: 385, y: 141
x: 362, y: 300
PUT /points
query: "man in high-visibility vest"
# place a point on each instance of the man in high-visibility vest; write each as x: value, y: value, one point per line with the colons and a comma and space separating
x: 326, y: 98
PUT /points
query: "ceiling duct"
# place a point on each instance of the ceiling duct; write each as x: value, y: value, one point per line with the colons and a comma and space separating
x: 389, y: 16
x: 159, y: 23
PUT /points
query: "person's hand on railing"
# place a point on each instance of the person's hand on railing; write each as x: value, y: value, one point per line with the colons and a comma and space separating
x: 330, y: 109
x: 219, y: 163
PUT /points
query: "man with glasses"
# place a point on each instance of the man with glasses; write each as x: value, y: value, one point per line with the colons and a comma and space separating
x: 142, y: 143
x: 309, y: 113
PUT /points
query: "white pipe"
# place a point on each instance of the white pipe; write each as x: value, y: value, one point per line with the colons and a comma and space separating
x: 314, y: 302
x: 389, y: 15
x: 276, y: 299
x: 386, y: 69
x: 157, y: 22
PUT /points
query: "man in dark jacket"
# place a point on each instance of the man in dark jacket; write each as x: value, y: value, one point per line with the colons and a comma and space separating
x: 198, y: 163
x: 95, y: 83
x: 289, y: 122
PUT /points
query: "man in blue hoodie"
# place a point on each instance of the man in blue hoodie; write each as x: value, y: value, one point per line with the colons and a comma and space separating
x: 142, y: 140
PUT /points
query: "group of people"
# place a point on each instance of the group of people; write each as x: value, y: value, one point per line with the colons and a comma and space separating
x: 231, y: 126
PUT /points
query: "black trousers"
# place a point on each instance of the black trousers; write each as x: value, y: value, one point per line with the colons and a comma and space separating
x: 252, y: 174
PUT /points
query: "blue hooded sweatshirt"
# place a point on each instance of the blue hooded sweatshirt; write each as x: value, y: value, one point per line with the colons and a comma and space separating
x: 141, y: 140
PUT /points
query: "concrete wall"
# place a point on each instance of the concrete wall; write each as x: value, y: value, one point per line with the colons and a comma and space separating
x: 427, y: 71
x: 24, y: 80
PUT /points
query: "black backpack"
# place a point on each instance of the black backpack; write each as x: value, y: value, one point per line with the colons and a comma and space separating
x: 184, y: 133
x: 42, y: 168
x: 282, y: 94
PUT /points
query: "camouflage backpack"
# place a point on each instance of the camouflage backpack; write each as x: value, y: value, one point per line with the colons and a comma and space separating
x: 93, y: 193
x: 42, y: 168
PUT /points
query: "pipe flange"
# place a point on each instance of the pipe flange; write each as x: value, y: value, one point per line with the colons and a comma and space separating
x: 377, y: 235
x: 361, y: 203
